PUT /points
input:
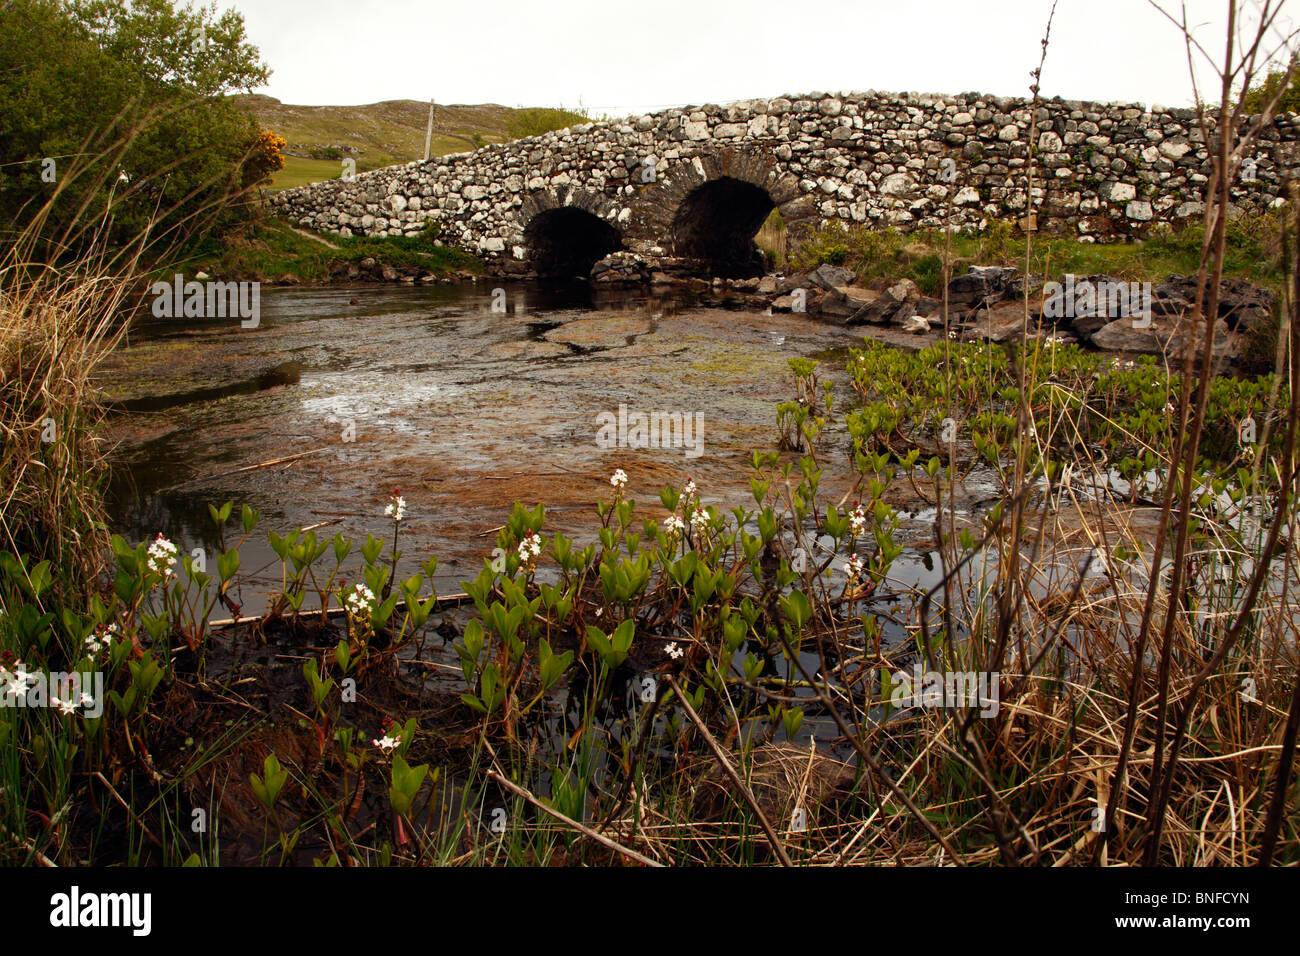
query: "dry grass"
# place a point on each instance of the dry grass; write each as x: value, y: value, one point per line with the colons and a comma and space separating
x: 56, y: 325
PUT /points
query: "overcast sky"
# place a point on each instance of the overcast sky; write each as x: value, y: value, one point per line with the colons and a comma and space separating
x: 620, y: 57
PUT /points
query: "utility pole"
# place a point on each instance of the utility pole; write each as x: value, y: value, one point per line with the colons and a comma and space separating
x: 428, y: 132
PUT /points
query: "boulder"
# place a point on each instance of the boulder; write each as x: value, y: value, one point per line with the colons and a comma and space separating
x: 1085, y: 326
x: 927, y: 305
x: 831, y: 277
x: 791, y: 282
x: 1017, y: 287
x: 1241, y: 304
x: 896, y: 303
x: 845, y: 301
x: 998, y: 323
x: 980, y: 286
x: 1165, y: 335
x: 620, y: 267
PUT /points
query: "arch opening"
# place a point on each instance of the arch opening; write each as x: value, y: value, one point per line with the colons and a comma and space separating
x: 717, y: 223
x: 565, y: 242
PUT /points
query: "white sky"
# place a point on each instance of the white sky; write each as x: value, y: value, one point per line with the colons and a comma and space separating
x: 620, y: 57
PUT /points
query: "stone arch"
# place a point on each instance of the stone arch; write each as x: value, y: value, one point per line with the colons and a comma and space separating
x: 567, y: 231
x: 709, y: 207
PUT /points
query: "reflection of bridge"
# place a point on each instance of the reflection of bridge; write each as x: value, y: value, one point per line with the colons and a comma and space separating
x: 698, y: 183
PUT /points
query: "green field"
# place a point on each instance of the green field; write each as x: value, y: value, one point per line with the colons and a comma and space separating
x: 299, y: 171
x: 383, y: 134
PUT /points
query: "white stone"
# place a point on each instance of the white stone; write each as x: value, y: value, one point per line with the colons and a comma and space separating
x: 1119, y: 192
x: 1175, y: 149
x: 896, y: 184
x: 1139, y: 210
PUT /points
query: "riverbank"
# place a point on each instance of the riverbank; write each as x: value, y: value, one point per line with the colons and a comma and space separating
x: 273, y: 252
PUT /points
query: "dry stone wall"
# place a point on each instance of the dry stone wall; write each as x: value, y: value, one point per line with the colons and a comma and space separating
x: 1104, y: 172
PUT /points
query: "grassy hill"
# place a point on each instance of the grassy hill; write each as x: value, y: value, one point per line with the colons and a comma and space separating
x: 381, y: 134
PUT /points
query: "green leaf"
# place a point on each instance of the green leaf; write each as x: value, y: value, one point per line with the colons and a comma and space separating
x: 797, y: 609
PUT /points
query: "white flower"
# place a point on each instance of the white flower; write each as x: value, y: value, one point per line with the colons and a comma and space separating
x: 86, y: 700
x: 64, y: 706
x: 700, y: 518
x: 675, y: 652
x: 530, y: 548
x: 857, y: 520
x: 387, y: 743
x: 360, y: 601
x: 1169, y: 408
x: 396, y: 508
x: 162, y: 556
x: 673, y: 526
x: 689, y: 490
x: 853, y: 568
x: 13, y: 685
x: 619, y: 478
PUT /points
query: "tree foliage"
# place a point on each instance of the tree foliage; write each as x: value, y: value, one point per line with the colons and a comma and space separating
x: 1257, y: 97
x: 534, y: 121
x: 114, y: 118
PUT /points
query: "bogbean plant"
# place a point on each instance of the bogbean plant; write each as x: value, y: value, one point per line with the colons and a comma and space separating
x: 727, y: 604
x: 1103, y: 411
x: 148, y: 632
x: 1093, y: 419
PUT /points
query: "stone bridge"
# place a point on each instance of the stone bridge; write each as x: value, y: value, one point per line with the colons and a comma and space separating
x: 696, y: 184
